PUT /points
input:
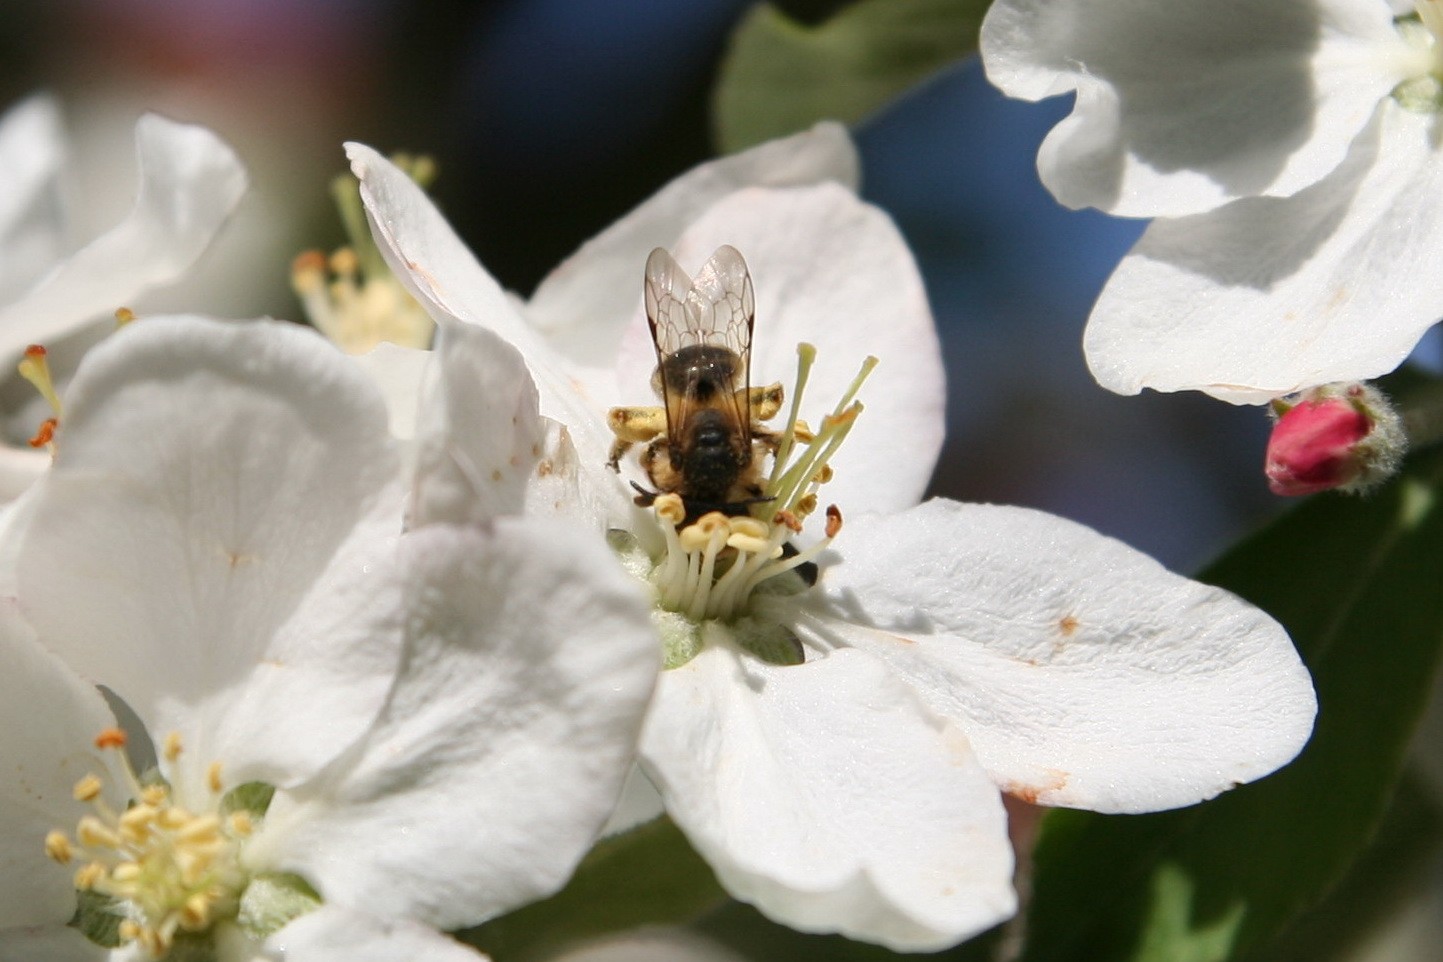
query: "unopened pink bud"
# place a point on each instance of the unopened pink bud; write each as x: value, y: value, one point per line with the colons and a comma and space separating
x: 1343, y: 436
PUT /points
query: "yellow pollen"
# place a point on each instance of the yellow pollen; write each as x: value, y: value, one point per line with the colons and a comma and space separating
x: 123, y: 316
x: 87, y: 789
x: 172, y: 746
x: 92, y: 833
x: 58, y: 847
x: 345, y: 262
x: 88, y: 875
x: 172, y: 869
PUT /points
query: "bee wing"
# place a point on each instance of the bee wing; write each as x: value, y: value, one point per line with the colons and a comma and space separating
x: 717, y: 308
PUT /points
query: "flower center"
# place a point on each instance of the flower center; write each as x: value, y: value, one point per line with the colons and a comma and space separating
x: 712, y: 568
x: 351, y: 296
x: 171, y: 871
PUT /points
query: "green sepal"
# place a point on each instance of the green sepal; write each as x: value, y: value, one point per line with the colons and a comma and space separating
x: 773, y: 643
x: 251, y: 797
x: 98, y: 918
x: 271, y: 900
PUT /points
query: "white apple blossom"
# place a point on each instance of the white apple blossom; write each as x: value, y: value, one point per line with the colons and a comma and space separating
x: 837, y: 753
x: 1288, y: 149
x: 50, y: 286
x: 444, y: 716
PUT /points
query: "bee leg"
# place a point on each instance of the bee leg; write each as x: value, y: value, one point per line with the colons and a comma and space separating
x: 618, y: 450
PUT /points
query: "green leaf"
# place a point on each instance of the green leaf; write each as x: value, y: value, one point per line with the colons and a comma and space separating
x: 647, y: 876
x: 1359, y: 584
x: 780, y: 76
x: 1398, y: 860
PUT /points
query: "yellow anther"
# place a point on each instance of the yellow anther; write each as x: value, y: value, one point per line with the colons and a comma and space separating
x: 125, y: 872
x: 824, y: 475
x: 123, y: 316
x: 87, y: 789
x: 669, y: 508
x: 212, y: 777
x: 195, y: 915
x: 128, y: 931
x: 91, y: 833
x: 345, y: 262
x: 748, y: 526
x: 58, y: 847
x: 696, y: 537
x: 137, y: 822
x: 173, y: 746
x: 748, y: 543
x: 110, y: 738
x: 35, y: 368
x: 308, y: 271
x: 206, y: 828
x: 87, y: 875
x: 154, y: 795
x: 806, y: 505
x: 242, y: 824
x: 174, y: 817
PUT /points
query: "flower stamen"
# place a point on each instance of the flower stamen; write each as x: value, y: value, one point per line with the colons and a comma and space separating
x: 712, y: 566
x: 172, y: 869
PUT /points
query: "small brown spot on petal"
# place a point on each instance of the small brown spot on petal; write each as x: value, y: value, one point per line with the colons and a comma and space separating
x: 1068, y: 626
x: 496, y: 474
x: 544, y: 469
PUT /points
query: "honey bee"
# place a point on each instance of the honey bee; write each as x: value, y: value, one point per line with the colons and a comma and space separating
x: 705, y: 443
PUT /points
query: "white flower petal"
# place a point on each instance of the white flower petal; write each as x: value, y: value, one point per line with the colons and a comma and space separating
x: 334, y: 934
x: 400, y: 374
x: 32, y: 222
x: 19, y: 469
x: 583, y: 305
x: 220, y: 492
x: 1083, y: 672
x: 503, y: 748
x: 1182, y: 107
x: 829, y: 797
x: 481, y: 435
x: 833, y: 271
x: 49, y: 718
x: 1268, y: 296
x: 190, y: 181
x: 440, y: 272
x: 55, y: 943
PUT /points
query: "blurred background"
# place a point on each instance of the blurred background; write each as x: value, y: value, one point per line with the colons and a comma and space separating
x: 550, y: 118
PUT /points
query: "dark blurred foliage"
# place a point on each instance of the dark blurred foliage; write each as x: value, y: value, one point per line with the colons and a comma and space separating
x: 550, y: 118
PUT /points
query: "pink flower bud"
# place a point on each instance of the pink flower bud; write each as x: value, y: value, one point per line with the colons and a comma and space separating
x: 1343, y: 436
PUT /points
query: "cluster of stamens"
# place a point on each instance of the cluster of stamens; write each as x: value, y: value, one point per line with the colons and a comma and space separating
x: 173, y: 870
x: 1423, y: 90
x: 714, y: 564
x: 351, y: 296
